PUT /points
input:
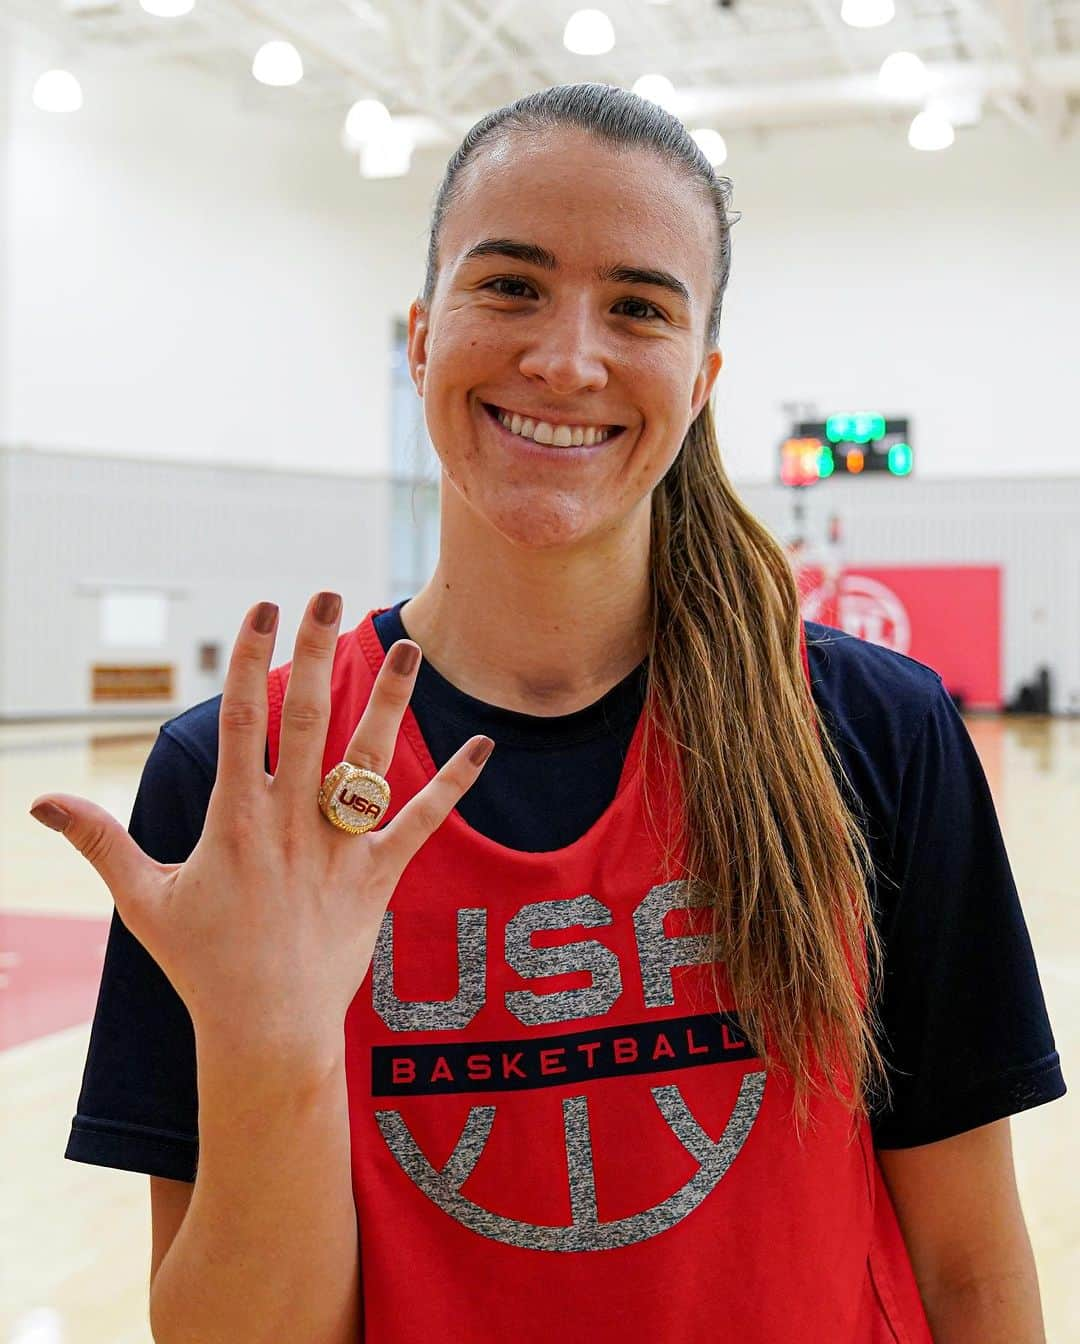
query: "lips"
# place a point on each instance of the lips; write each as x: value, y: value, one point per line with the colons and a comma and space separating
x: 493, y: 408
x: 553, y: 451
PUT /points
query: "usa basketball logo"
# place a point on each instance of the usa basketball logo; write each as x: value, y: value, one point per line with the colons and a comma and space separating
x: 517, y: 1066
x: 353, y: 798
x: 364, y: 807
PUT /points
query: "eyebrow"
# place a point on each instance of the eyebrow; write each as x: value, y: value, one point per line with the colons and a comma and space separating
x: 535, y: 255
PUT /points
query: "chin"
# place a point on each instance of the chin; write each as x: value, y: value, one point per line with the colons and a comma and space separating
x: 541, y: 522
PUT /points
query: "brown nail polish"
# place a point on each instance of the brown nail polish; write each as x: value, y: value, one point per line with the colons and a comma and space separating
x: 52, y: 816
x: 327, y: 608
x: 265, y: 618
x: 481, y: 751
x: 403, y: 659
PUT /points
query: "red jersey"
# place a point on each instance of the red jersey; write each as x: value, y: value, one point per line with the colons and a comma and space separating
x: 558, y: 1132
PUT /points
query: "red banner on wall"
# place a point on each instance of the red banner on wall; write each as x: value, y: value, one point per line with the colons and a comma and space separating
x: 947, y: 616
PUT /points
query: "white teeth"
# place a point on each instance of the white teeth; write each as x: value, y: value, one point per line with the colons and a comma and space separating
x: 560, y: 436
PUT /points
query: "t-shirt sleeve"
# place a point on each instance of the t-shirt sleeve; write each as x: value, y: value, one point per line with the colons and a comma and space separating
x: 138, y: 1106
x: 966, y: 1031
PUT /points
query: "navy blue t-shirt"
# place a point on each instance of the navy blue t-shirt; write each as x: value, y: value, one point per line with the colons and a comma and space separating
x: 963, y: 1021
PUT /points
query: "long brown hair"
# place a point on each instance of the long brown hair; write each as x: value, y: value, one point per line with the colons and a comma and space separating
x: 771, y: 848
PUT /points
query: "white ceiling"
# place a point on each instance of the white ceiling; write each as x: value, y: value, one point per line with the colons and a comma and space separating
x: 749, y: 63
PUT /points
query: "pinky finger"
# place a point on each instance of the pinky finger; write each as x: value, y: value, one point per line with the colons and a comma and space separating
x: 422, y: 816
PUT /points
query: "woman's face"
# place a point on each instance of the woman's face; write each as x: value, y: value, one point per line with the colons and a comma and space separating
x: 557, y: 334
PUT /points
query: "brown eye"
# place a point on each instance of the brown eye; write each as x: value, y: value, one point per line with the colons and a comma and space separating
x: 507, y: 280
x: 655, y: 312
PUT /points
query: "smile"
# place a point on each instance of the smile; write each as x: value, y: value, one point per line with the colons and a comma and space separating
x: 545, y: 433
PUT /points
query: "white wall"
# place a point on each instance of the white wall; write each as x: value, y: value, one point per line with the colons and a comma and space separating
x: 213, y: 540
x: 195, y: 276
x: 5, y: 314
x: 6, y: 62
x: 218, y: 540
x: 868, y: 276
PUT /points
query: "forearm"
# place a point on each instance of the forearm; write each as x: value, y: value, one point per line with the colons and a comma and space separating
x: 268, y: 1248
x: 1003, y: 1309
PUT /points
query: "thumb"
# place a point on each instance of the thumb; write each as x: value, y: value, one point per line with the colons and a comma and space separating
x: 99, y: 838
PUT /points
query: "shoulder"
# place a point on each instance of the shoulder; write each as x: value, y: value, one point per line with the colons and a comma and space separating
x: 874, y: 701
x: 177, y: 780
x: 189, y: 741
x: 877, y: 707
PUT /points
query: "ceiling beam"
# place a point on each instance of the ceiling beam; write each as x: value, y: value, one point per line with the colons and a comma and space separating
x: 1049, y: 106
x: 460, y: 77
x: 432, y: 49
x: 400, y: 26
x: 982, y: 35
x: 837, y: 34
x: 1032, y: 90
x: 384, y: 82
x: 837, y: 99
x: 527, y: 71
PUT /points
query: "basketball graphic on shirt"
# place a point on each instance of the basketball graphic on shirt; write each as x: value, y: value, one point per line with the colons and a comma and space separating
x: 610, y: 1068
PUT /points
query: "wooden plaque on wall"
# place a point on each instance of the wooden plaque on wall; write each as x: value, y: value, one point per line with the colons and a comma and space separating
x: 131, y: 681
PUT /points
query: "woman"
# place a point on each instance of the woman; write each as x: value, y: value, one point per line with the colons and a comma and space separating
x: 629, y: 1064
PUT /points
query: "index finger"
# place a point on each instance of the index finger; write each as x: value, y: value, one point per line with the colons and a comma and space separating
x: 243, y: 717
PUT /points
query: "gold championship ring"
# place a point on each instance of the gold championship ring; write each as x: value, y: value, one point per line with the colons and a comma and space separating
x: 353, y: 799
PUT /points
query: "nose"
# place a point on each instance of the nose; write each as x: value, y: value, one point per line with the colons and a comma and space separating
x: 565, y: 349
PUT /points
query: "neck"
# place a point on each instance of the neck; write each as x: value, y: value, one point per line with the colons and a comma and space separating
x: 541, y: 631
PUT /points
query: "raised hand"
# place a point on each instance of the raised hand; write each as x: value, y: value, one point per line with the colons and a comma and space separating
x: 268, y: 928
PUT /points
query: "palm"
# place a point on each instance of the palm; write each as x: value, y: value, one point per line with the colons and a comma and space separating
x: 269, y: 926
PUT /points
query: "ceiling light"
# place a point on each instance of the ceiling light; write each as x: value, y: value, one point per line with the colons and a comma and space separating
x: 712, y: 145
x: 657, y: 89
x: 931, y: 130
x: 963, y: 107
x: 389, y: 154
x: 278, y: 63
x: 903, y: 75
x: 588, y: 32
x: 367, y: 119
x: 867, y: 13
x: 168, y: 9
x: 57, y: 91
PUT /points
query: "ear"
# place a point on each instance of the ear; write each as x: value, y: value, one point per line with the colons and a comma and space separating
x: 417, y: 343
x: 703, y: 383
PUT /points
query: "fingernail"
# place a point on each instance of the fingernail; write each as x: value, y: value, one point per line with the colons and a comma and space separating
x: 481, y: 751
x: 327, y: 608
x: 404, y: 658
x: 266, y: 614
x: 52, y: 816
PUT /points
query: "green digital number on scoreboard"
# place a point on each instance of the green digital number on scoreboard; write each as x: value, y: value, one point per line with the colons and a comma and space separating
x: 851, y: 444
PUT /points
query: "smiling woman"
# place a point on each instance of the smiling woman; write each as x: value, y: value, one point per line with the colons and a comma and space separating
x: 661, y: 986
x: 559, y: 195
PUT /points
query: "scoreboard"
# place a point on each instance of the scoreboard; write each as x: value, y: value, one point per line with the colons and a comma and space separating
x: 851, y: 444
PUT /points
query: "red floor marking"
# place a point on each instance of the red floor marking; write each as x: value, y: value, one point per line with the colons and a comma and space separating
x: 50, y: 970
